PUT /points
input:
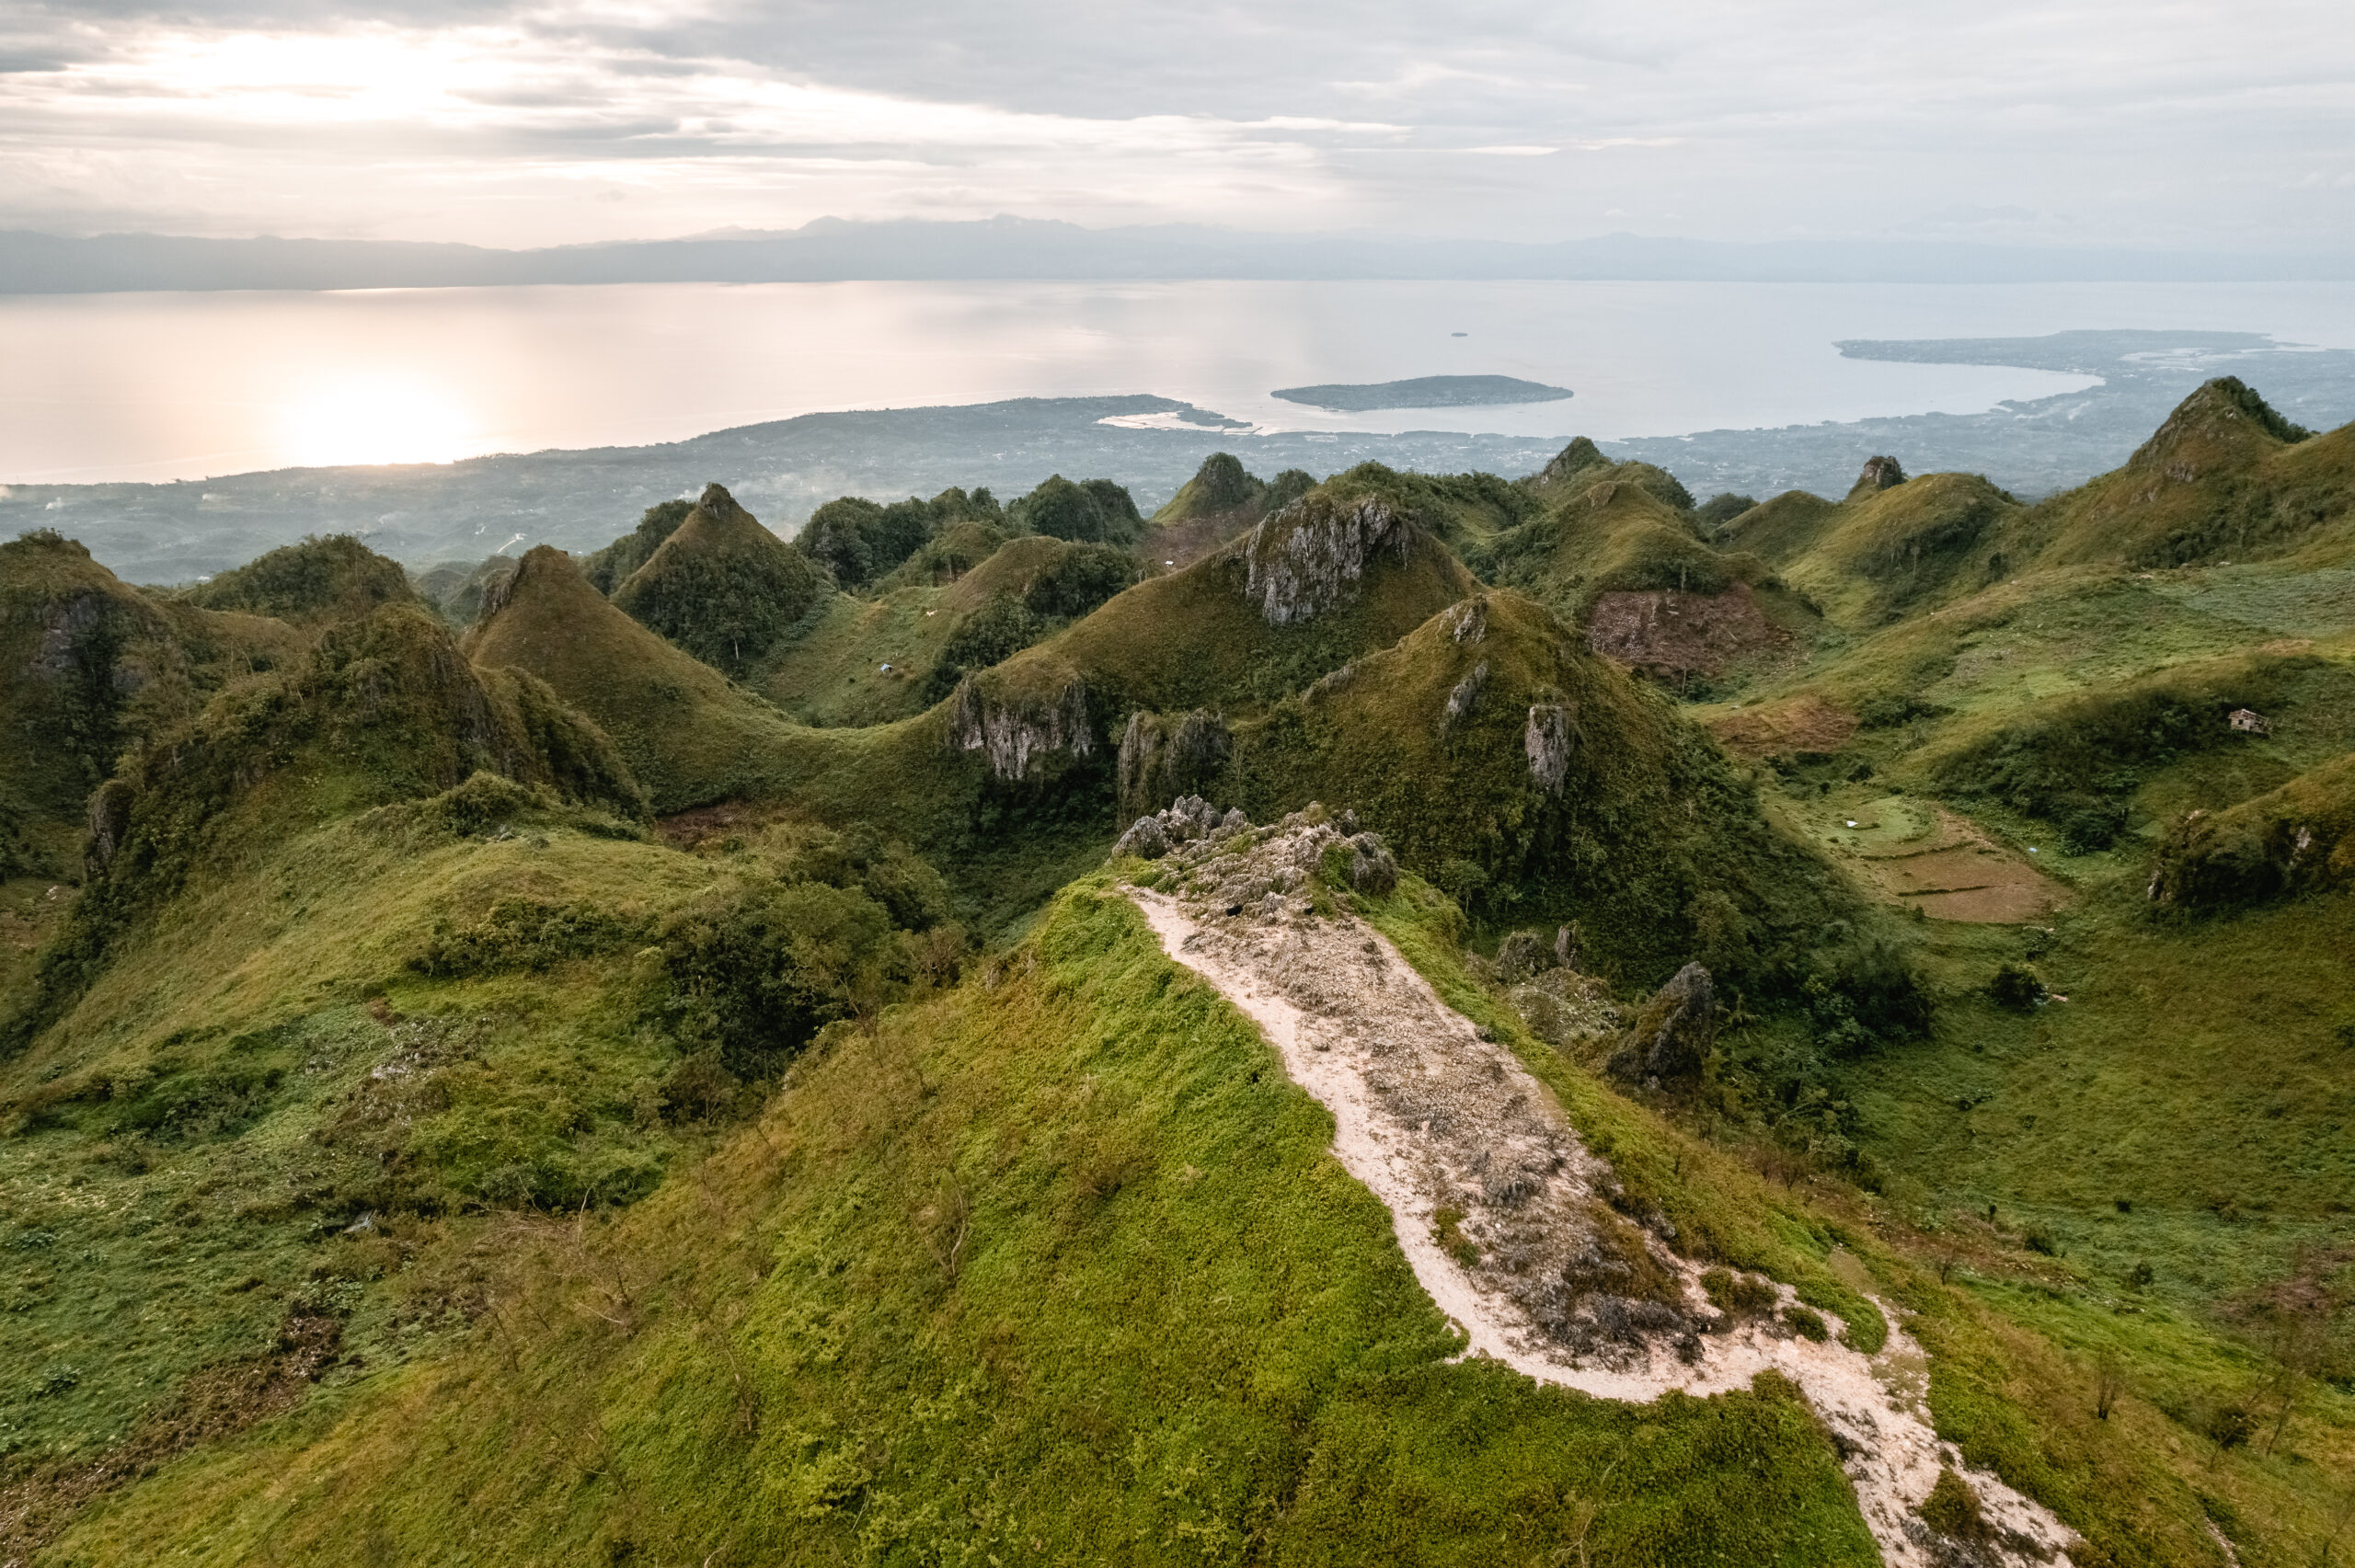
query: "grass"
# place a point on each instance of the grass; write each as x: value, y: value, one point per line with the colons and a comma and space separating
x: 306, y: 1043
x: 1456, y: 798
x: 1060, y: 1268
x: 2220, y: 481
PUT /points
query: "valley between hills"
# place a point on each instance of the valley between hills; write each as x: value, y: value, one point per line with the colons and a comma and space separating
x: 1363, y: 1016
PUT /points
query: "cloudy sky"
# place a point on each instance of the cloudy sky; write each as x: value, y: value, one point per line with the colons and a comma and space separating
x: 2227, y: 124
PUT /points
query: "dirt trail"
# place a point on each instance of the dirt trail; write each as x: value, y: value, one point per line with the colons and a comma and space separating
x: 1505, y: 1216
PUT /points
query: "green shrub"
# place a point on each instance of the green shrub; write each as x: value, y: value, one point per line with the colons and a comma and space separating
x: 525, y: 933
x: 2229, y: 1425
x: 1808, y: 1323
x: 1077, y: 580
x: 2015, y: 985
x: 1953, y: 1509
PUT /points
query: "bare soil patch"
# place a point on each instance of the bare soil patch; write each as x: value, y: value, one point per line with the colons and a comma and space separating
x: 1915, y: 854
x: 1671, y: 634
x: 1797, y: 724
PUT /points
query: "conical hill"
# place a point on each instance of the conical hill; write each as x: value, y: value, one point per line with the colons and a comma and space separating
x: 2224, y: 478
x: 722, y: 587
x: 1345, y: 569
x: 689, y: 734
x: 1494, y: 751
x: 1893, y: 547
x: 1615, y: 536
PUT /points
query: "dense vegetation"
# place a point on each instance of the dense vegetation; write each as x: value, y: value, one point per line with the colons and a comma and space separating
x: 661, y: 1079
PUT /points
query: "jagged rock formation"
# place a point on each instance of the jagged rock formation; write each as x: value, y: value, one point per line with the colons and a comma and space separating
x: 1308, y: 557
x: 1672, y: 1035
x: 1162, y: 758
x: 1183, y: 820
x: 1547, y: 739
x: 1466, y: 693
x: 1880, y: 474
x: 1016, y: 730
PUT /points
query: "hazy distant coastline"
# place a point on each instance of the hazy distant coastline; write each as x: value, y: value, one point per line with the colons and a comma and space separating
x: 830, y: 249
x: 578, y: 499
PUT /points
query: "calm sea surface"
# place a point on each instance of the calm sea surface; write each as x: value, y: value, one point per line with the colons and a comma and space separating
x: 165, y: 386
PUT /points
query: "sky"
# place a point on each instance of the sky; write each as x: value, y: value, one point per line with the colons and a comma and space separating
x: 2221, y: 126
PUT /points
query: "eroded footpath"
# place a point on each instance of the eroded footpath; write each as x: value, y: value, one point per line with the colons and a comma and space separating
x: 1503, y: 1212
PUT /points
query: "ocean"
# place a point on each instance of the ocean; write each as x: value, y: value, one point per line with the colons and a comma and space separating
x: 162, y: 386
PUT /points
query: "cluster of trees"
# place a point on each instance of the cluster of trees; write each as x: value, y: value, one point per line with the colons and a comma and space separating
x: 859, y: 540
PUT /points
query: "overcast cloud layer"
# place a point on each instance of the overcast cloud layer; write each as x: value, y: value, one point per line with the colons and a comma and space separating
x: 2210, y: 125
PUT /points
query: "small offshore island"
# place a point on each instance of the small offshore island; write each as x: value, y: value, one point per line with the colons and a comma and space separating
x: 1424, y: 392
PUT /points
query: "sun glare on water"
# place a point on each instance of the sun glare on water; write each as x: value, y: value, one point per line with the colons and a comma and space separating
x: 379, y: 419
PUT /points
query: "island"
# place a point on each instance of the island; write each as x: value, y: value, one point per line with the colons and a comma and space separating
x: 1424, y: 392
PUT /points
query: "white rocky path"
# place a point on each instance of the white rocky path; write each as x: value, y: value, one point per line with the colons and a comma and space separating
x: 1501, y: 1209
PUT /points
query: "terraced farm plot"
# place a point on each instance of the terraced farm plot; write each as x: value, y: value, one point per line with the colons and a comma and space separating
x: 1919, y: 855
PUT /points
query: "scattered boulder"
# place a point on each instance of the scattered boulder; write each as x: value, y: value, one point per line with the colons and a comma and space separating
x: 1146, y: 839
x: 1523, y: 955
x: 1674, y: 1033
x: 1373, y: 869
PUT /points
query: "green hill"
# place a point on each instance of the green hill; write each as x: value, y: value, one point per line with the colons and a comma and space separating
x: 2225, y: 478
x: 1895, y: 547
x: 89, y: 665
x: 533, y: 1098
x: 870, y: 661
x: 608, y: 568
x: 335, y: 578
x: 688, y: 734
x: 721, y: 587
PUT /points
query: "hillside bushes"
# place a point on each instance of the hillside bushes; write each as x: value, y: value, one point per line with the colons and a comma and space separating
x: 2075, y: 763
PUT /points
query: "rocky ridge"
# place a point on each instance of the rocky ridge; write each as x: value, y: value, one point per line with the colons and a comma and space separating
x: 1520, y: 1234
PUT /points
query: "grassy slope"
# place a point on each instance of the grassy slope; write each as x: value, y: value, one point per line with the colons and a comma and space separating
x: 1175, y: 1331
x: 689, y: 734
x: 1189, y: 639
x: 2213, y: 483
x: 830, y: 675
x: 174, y: 1246
x: 1648, y: 830
x: 1891, y: 551
x: 2195, y: 1073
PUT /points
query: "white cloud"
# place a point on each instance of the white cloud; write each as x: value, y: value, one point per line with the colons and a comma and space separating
x: 2150, y: 123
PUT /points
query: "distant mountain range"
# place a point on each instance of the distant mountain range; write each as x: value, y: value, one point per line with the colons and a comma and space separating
x: 832, y: 249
